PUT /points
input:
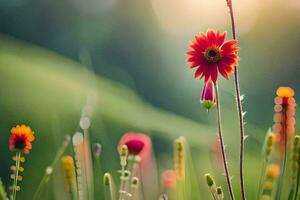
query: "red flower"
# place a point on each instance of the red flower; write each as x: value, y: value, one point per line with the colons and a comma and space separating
x: 21, y: 138
x: 208, y: 95
x: 137, y: 144
x: 210, y: 54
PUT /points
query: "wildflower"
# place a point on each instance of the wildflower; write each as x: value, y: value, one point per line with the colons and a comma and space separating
x: 137, y: 144
x: 285, y: 93
x: 21, y: 138
x: 273, y: 171
x: 211, y: 54
x: 168, y: 178
x: 141, y: 158
x: 284, y: 117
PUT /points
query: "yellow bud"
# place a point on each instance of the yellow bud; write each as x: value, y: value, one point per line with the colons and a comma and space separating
x: 273, y: 171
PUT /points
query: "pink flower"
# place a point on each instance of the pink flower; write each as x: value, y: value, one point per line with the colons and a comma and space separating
x: 137, y: 144
x: 140, y: 145
x: 208, y: 95
x: 168, y: 178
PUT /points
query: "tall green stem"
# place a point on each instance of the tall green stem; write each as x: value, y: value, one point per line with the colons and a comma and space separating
x: 228, y: 179
x: 239, y: 107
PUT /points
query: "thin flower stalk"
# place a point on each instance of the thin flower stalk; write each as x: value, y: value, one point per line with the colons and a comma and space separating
x: 77, y: 141
x: 267, y: 151
x: 15, y: 186
x: 3, y: 195
x: 109, y: 187
x: 49, y: 169
x: 239, y: 106
x: 88, y: 166
x: 124, y: 173
x: 180, y: 165
x: 97, y: 167
x: 298, y: 174
x: 228, y: 178
x: 212, y: 187
x: 295, y: 168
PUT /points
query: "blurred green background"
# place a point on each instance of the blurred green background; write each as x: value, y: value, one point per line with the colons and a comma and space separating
x: 128, y: 57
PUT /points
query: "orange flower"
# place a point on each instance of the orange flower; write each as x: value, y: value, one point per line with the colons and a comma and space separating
x: 21, y: 138
x: 285, y: 93
x: 212, y: 55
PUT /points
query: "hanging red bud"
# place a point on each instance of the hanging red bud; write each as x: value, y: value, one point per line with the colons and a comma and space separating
x: 208, y: 95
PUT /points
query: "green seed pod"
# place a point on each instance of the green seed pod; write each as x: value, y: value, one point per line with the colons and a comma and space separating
x: 106, y: 179
x: 270, y: 140
x: 209, y: 180
x: 134, y: 182
x: 220, y: 192
x: 124, y: 151
x: 296, y: 140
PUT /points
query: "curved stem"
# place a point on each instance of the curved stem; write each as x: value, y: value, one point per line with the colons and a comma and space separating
x: 228, y: 179
x: 239, y: 107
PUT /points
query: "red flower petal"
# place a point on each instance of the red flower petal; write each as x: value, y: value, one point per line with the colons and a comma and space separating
x: 198, y: 72
x: 202, y: 42
x: 214, y: 72
x: 194, y: 64
x: 191, y: 53
x: 230, y: 45
x: 223, y: 71
x: 220, y: 38
x: 211, y: 37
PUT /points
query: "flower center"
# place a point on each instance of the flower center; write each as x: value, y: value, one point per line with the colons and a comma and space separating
x: 212, y: 54
x: 20, y: 143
